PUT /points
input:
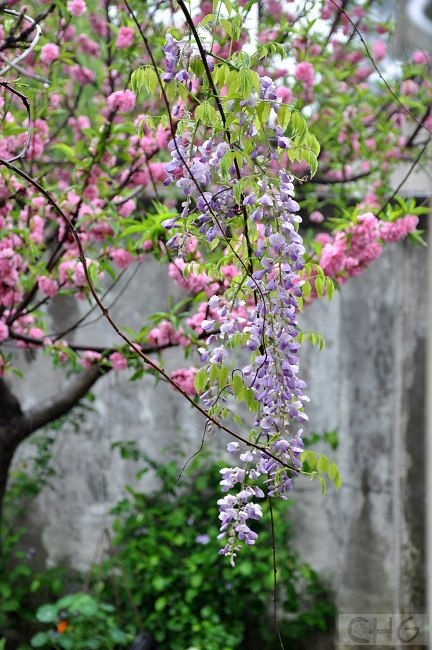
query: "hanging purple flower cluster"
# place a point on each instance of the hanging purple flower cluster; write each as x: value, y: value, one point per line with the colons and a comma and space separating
x: 273, y: 371
x: 265, y: 311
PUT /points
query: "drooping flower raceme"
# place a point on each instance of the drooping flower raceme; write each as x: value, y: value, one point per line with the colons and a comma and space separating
x: 267, y: 253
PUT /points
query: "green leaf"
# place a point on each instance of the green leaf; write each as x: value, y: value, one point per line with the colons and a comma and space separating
x: 263, y: 112
x: 144, y: 78
x: 226, y: 163
x: 137, y: 80
x: 284, y: 116
x: 64, y: 149
x: 329, y: 288
x: 306, y: 289
x: 40, y: 639
x: 207, y: 19
x: 200, y: 380
x: 117, y: 635
x: 334, y: 475
x: 319, y: 286
x: 47, y: 613
x: 160, y: 603
x: 237, y: 385
x: 223, y: 377
x: 308, y: 457
x: 227, y: 26
x: 322, y: 464
x: 298, y: 124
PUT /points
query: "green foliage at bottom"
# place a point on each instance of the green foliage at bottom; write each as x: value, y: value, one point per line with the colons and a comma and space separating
x: 167, y: 576
x: 164, y: 575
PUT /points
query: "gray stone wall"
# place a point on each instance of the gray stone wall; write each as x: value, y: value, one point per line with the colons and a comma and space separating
x: 367, y: 540
x: 369, y: 383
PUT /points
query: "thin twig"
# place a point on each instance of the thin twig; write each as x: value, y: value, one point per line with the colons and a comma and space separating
x: 25, y: 101
x: 370, y: 57
x: 32, y: 45
x: 407, y: 175
x: 275, y: 583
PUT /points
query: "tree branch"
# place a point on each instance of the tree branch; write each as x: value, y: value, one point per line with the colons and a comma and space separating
x: 62, y: 403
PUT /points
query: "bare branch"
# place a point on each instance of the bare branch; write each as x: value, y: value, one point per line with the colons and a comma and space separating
x: 62, y: 402
x: 32, y: 45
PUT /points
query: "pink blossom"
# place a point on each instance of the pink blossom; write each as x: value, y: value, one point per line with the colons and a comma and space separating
x: 230, y: 271
x: 90, y: 358
x: 304, y: 72
x: 350, y: 252
x: 71, y: 273
x: 87, y: 45
x: 409, y: 87
x: 185, y: 377
x: 91, y: 192
x: 99, y: 24
x: 122, y: 101
x: 275, y: 9
x: 125, y: 37
x: 100, y: 230
x: 392, y: 231
x: 82, y: 75
x: 38, y: 201
x: 147, y: 245
x: 4, y: 331
x: 195, y: 282
x: 157, y: 170
x: 164, y: 334
x: 190, y: 244
x: 421, y: 58
x: 333, y: 257
x: 118, y: 361
x: 55, y: 100
x: 121, y: 257
x: 323, y: 238
x: 316, y: 217
x: 362, y: 73
x: 194, y: 321
x: 285, y: 93
x: 428, y: 122
x: 162, y: 136
x: 36, y: 333
x: 48, y: 286
x: 77, y: 7
x: 379, y: 50
x: 49, y: 53
x: 69, y: 33
x: 127, y: 208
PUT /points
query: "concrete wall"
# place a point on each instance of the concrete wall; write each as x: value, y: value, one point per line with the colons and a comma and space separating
x: 370, y: 384
x: 367, y: 540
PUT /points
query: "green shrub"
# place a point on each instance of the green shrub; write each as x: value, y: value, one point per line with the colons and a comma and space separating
x: 166, y: 575
x: 21, y: 585
x: 81, y: 623
x: 163, y: 574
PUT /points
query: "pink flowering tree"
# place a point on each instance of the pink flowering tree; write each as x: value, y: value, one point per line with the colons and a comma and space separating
x: 204, y: 141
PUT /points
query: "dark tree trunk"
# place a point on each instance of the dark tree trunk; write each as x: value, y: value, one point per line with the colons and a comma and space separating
x: 5, y: 463
x: 15, y: 425
x: 12, y: 428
